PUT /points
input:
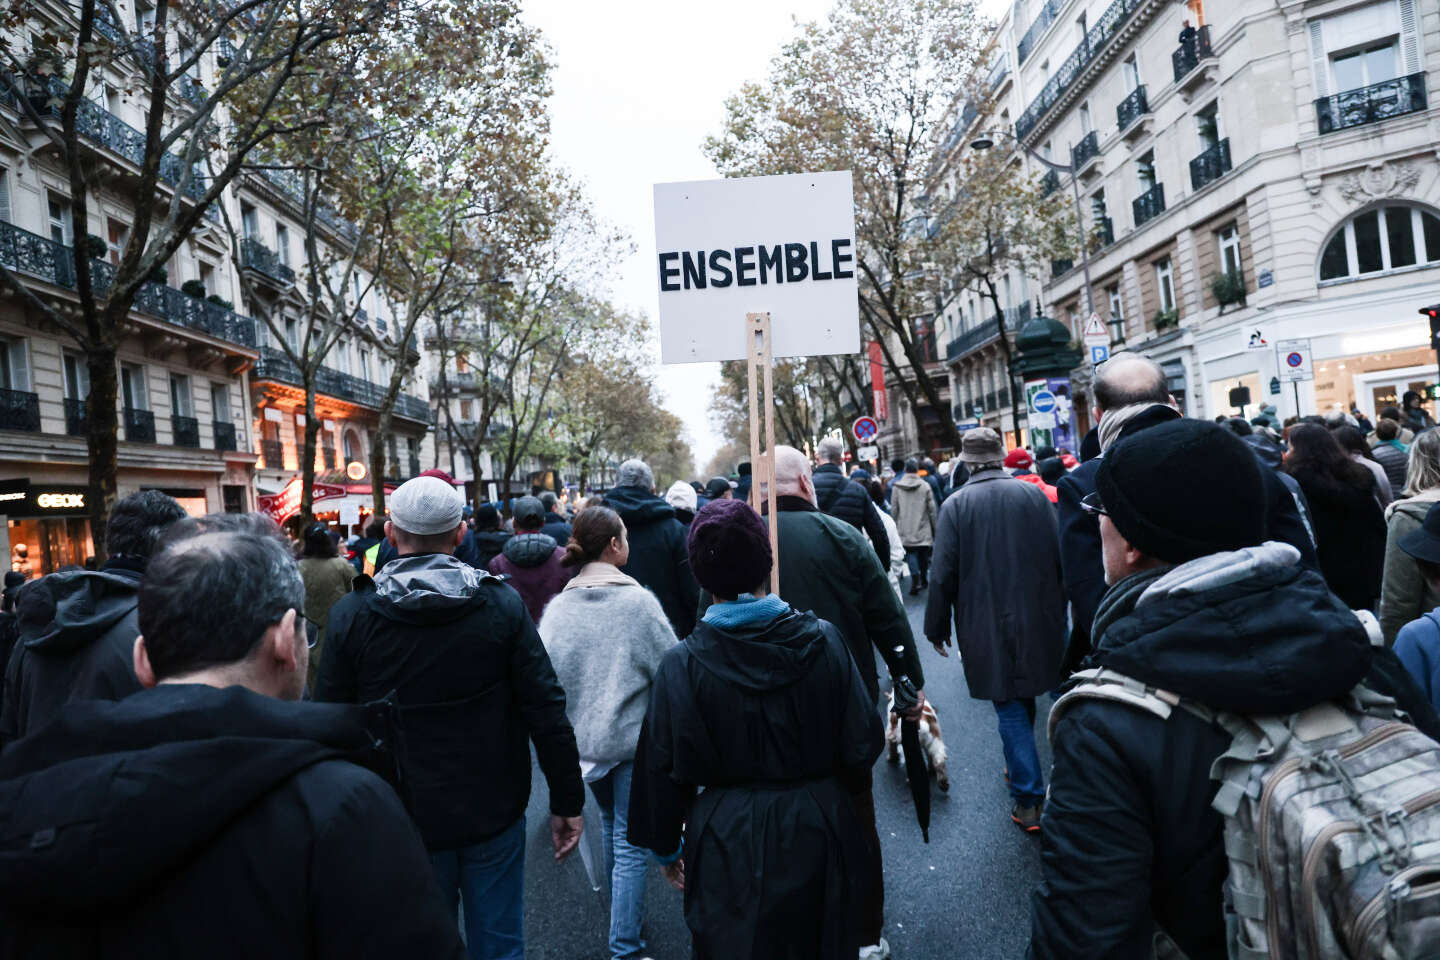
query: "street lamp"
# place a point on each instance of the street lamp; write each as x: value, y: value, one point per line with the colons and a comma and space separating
x: 988, y: 139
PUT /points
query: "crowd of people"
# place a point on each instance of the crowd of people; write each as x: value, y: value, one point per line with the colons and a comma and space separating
x: 229, y: 742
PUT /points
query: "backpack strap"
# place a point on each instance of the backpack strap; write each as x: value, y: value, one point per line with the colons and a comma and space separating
x: 1101, y: 683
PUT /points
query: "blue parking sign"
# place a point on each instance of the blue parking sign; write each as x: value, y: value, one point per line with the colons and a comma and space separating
x: 1099, y: 353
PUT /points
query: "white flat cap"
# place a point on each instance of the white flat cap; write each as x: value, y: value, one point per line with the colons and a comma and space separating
x: 425, y: 506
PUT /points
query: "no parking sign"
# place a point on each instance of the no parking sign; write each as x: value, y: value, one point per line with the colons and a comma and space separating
x: 1293, y: 360
x: 865, y: 429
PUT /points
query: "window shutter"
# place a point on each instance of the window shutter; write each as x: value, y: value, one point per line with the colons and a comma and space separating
x: 19, y: 366
x: 1319, y: 69
x: 1409, y: 37
x: 5, y: 195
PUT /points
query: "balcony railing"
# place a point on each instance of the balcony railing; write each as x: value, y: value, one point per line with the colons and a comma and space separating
x: 1379, y: 101
x: 1049, y: 183
x: 999, y: 70
x: 275, y: 365
x: 972, y: 339
x: 1086, y: 150
x: 272, y: 454
x: 139, y: 425
x: 292, y: 184
x: 1046, y: 16
x: 1132, y: 108
x: 1187, y: 56
x: 185, y: 430
x: 1210, y: 165
x: 257, y: 256
x: 224, y: 435
x: 76, y: 419
x: 19, y: 410
x: 1149, y: 204
x: 54, y: 263
x: 1060, y: 267
x: 1096, y: 40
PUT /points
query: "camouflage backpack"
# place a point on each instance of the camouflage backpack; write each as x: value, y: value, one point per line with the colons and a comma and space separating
x: 1332, y: 825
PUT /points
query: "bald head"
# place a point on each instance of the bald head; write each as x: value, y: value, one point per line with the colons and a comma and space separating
x: 792, y: 474
x: 1129, y: 379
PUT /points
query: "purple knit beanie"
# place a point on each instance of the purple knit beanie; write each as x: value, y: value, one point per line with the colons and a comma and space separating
x: 729, y: 548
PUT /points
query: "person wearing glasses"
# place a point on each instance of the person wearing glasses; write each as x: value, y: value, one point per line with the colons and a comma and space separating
x: 996, y: 572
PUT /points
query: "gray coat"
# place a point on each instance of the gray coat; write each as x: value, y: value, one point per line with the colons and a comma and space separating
x: 997, y: 564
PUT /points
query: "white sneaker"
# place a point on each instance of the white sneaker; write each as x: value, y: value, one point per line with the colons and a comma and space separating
x: 879, y: 951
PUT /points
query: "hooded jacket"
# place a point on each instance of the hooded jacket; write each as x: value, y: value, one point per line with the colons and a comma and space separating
x: 557, y: 527
x: 1405, y: 595
x: 912, y: 504
x: 187, y: 821
x: 474, y: 687
x: 1349, y: 536
x: 76, y: 641
x: 532, y: 562
x: 776, y: 863
x: 488, y: 544
x: 844, y: 499
x: 659, y: 559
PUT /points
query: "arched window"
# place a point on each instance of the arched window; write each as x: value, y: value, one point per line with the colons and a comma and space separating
x: 1379, y: 240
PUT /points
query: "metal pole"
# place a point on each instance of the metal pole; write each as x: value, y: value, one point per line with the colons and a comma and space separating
x: 1084, y: 247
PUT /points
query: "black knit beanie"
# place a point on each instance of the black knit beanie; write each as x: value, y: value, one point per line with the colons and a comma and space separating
x: 1184, y: 489
x: 729, y: 548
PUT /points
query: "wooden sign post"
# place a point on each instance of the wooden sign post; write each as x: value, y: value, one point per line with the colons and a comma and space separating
x: 758, y: 358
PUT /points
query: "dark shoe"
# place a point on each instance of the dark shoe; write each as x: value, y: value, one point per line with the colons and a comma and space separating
x: 1026, y: 818
x: 915, y: 590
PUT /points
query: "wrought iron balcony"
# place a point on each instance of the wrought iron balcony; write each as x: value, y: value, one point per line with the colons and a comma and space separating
x: 54, y: 263
x: 972, y: 339
x: 1187, y: 56
x: 275, y: 365
x: 1132, y: 108
x: 999, y: 70
x: 1046, y: 16
x: 1103, y: 233
x: 185, y: 430
x: 1210, y: 165
x: 224, y: 53
x: 1097, y: 39
x: 259, y: 257
x: 1049, y: 183
x: 224, y: 435
x: 1060, y: 267
x: 1379, y: 101
x: 292, y: 184
x: 76, y: 419
x: 139, y: 425
x: 272, y: 454
x: 1149, y: 204
x: 1086, y: 150
x: 19, y: 410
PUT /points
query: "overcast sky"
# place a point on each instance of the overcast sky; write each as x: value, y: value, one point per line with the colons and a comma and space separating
x: 638, y: 86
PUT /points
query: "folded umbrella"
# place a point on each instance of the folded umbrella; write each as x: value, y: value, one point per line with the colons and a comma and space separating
x: 906, y: 698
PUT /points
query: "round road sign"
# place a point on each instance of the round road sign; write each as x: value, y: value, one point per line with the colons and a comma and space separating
x: 865, y: 429
x: 1295, y: 360
x: 1043, y: 401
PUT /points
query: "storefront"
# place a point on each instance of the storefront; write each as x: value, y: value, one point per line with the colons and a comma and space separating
x: 47, y: 524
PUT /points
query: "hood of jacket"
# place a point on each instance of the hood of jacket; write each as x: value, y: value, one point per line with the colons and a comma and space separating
x: 911, y: 481
x: 491, y: 541
x: 763, y: 656
x: 528, y: 550
x: 1250, y: 631
x: 1266, y: 450
x: 1414, y: 507
x: 114, y: 796
x: 422, y: 587
x: 64, y: 612
x: 638, y: 506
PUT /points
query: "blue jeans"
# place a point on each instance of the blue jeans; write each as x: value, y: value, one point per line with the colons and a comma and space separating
x: 1017, y: 733
x: 491, y: 878
x: 626, y: 864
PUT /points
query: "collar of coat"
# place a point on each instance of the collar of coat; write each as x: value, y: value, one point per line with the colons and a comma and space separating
x: 985, y: 475
x: 789, y: 503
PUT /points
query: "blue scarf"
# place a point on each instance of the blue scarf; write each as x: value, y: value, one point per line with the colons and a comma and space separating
x: 1394, y: 442
x: 745, y: 610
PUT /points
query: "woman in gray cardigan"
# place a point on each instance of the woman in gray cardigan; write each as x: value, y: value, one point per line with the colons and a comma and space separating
x: 605, y: 635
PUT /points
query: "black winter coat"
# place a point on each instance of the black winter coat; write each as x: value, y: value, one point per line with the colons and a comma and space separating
x: 187, y: 821
x: 775, y: 723
x: 844, y: 499
x: 76, y: 641
x: 1397, y: 466
x: 474, y: 687
x: 555, y: 526
x: 659, y: 558
x: 1349, y: 535
x: 488, y: 543
x: 1129, y: 839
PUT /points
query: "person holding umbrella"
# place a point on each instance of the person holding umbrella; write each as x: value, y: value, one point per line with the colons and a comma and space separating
x: 775, y: 858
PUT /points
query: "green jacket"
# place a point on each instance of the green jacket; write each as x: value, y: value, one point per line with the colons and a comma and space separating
x: 828, y: 568
x: 1404, y: 594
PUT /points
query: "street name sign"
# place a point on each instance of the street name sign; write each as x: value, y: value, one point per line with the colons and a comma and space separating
x: 781, y: 245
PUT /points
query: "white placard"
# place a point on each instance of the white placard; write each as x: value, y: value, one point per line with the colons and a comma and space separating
x: 783, y: 245
x: 349, y: 514
x: 1293, y: 359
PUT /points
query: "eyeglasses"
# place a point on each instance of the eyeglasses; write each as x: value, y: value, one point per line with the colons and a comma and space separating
x: 1091, y: 504
x: 312, y: 633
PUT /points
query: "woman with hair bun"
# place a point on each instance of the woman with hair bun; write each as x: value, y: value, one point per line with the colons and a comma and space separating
x: 605, y: 635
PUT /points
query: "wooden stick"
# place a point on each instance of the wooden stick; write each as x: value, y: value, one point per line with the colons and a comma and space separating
x: 759, y: 352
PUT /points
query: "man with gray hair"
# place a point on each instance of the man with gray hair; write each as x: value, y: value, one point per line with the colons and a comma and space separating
x: 659, y: 559
x: 461, y: 654
x: 845, y: 499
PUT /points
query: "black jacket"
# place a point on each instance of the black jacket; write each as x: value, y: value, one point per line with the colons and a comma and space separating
x: 187, y: 821
x: 556, y: 527
x: 1396, y: 464
x: 776, y: 862
x: 1129, y: 839
x: 76, y: 642
x: 847, y: 500
x: 474, y: 687
x: 659, y: 558
x: 488, y: 543
x: 1349, y: 536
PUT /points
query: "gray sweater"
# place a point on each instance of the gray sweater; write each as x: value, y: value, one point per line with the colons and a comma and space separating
x: 606, y: 642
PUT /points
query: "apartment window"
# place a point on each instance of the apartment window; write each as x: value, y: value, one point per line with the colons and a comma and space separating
x: 461, y: 364
x: 180, y: 401
x: 292, y: 333
x: 1367, y: 44
x: 1165, y: 284
x: 1388, y: 238
x: 249, y: 220
x: 1097, y: 204
x: 132, y: 387
x: 351, y: 448
x: 144, y: 19
x: 14, y: 365
x: 365, y: 364
x: 117, y: 235
x: 61, y: 227
x: 1228, y: 240
x: 1117, y: 313
x: 5, y: 216
x: 355, y: 287
x: 77, y: 376
x: 1207, y: 126
x: 220, y: 402
x: 467, y: 410
x: 1361, y: 68
x: 1132, y: 72
x: 207, y: 277
x: 1145, y: 171
x: 1085, y: 117
x: 1048, y: 150
x: 282, y: 243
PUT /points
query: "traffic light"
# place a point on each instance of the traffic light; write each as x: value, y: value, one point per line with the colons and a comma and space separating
x: 1432, y: 313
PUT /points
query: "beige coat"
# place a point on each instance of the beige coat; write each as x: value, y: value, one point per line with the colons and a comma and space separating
x: 912, y: 504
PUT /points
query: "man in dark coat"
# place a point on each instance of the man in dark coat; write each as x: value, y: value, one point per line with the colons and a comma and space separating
x: 845, y: 500
x: 213, y: 814
x: 75, y: 630
x: 489, y: 538
x: 997, y: 566
x: 776, y: 858
x: 460, y: 652
x: 555, y: 524
x: 927, y: 473
x: 1201, y: 606
x: 531, y: 558
x: 657, y: 545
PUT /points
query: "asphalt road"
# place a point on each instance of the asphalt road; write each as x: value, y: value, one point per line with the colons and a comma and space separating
x: 964, y: 895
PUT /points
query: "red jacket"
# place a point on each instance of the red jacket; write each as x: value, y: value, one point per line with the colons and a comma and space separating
x: 1049, y: 491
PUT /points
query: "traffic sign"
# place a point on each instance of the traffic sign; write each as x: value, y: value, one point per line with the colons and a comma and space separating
x: 1294, y: 360
x: 1099, y: 353
x: 1095, y: 331
x: 865, y: 429
x: 1043, y: 401
x: 868, y: 452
